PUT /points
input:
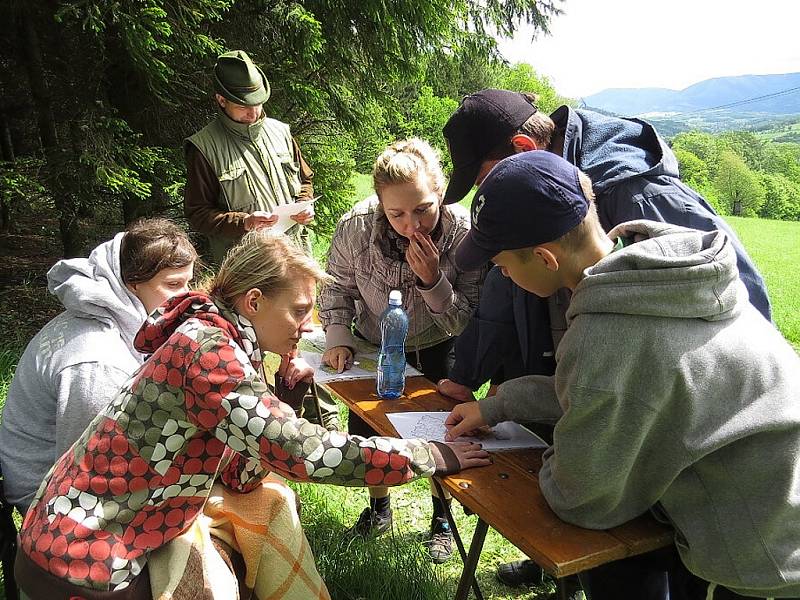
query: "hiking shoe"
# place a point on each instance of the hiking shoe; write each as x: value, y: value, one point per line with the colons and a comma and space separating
x: 371, y: 523
x: 519, y: 573
x: 440, y: 541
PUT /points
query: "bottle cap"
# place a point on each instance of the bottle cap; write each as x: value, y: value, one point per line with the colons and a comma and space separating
x: 396, y: 298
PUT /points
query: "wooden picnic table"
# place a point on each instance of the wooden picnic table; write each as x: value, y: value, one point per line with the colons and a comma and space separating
x: 506, y: 496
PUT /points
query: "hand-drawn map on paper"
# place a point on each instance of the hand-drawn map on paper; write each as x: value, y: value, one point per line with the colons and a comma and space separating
x: 365, y: 362
x: 430, y: 426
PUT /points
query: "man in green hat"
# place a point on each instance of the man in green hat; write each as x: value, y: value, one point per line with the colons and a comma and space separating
x: 242, y: 165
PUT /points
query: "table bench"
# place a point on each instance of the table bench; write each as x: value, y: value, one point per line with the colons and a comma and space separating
x: 506, y: 496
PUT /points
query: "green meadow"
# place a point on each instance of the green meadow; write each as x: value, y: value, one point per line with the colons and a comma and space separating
x: 775, y: 248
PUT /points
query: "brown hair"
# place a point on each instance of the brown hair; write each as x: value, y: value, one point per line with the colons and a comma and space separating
x: 539, y: 126
x: 263, y: 260
x: 151, y: 245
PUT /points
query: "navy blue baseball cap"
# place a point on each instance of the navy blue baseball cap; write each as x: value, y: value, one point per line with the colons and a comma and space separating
x: 527, y: 199
x: 482, y: 122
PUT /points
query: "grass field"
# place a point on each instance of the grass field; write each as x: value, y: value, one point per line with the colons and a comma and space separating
x: 775, y: 248
x: 383, y: 568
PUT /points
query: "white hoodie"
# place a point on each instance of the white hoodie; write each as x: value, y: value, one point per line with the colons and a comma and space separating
x: 71, y: 369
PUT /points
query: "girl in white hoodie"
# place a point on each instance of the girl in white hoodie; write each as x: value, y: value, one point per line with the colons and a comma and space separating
x: 79, y: 360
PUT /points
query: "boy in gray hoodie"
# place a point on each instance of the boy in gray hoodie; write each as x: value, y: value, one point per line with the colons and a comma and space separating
x: 695, y: 392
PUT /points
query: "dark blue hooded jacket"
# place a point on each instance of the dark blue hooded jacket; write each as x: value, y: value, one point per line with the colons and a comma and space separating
x: 635, y: 176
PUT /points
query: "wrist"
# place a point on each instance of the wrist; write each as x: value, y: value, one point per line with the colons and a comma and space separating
x: 427, y: 283
x: 444, y: 458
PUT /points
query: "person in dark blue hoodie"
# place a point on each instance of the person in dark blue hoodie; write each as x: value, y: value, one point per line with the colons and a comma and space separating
x: 635, y: 176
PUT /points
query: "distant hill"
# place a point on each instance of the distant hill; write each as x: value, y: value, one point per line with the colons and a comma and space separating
x: 779, y: 95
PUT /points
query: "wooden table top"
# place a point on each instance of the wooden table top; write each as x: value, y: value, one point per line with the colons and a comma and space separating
x: 506, y: 494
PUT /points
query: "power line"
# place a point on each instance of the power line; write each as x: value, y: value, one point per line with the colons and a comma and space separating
x: 778, y: 94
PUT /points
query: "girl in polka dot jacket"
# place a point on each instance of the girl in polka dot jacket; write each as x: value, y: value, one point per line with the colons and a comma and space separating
x: 198, y: 410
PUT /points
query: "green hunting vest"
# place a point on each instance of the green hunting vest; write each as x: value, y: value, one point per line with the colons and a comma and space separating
x: 256, y: 169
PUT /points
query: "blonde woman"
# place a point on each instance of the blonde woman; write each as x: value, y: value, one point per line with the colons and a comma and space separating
x: 198, y: 410
x: 401, y: 238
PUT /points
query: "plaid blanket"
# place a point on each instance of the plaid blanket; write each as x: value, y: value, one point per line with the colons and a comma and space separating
x: 263, y: 527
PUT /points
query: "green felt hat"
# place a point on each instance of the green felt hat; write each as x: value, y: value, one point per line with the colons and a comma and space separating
x: 238, y: 79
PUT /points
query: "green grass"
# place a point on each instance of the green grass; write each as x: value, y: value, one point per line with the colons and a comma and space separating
x: 363, y: 185
x: 363, y: 188
x: 775, y: 248
x: 783, y: 133
x: 383, y: 567
x: 8, y: 362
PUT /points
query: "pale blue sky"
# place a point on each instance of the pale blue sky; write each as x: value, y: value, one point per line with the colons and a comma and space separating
x: 597, y: 44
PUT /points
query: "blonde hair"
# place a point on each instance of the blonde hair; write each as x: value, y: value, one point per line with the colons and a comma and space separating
x: 580, y: 235
x: 404, y: 161
x: 263, y: 260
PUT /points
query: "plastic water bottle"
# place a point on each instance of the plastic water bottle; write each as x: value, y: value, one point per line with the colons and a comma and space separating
x: 392, y: 357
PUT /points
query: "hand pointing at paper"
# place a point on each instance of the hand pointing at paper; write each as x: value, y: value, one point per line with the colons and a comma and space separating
x: 465, y: 419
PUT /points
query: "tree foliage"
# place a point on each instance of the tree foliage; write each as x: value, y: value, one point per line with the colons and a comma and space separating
x: 781, y: 198
x: 740, y: 188
x: 739, y: 171
x: 99, y: 96
x: 111, y: 89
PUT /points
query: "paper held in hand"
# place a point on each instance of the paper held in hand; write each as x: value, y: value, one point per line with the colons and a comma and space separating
x: 285, y: 212
x: 429, y: 426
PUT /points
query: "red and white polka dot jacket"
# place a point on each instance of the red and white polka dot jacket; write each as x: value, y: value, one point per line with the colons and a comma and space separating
x: 198, y: 409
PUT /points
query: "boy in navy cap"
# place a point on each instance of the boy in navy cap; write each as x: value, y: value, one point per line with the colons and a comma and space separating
x: 671, y: 393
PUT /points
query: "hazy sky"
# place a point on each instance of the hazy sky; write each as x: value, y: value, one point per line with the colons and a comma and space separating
x: 598, y: 44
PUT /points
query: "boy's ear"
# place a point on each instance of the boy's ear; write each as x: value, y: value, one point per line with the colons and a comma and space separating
x: 522, y: 143
x: 547, y: 257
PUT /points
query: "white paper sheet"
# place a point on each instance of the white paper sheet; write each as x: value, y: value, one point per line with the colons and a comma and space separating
x: 365, y: 362
x: 430, y: 426
x: 285, y: 211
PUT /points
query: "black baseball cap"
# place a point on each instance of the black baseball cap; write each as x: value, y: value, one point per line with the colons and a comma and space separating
x: 483, y: 122
x: 528, y: 199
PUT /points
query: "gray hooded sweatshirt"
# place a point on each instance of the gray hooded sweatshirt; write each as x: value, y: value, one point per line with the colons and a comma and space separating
x: 71, y: 369
x: 673, y: 394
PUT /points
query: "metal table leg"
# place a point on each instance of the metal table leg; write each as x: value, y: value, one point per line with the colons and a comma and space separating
x: 561, y: 589
x: 567, y: 586
x: 475, y: 549
x: 460, y: 545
